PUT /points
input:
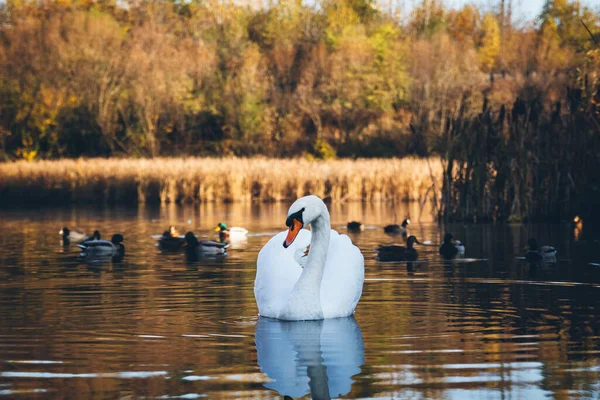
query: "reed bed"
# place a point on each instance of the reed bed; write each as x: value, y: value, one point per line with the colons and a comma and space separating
x: 191, y: 180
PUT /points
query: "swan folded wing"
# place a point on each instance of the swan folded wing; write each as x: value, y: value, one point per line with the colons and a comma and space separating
x: 343, y: 277
x: 277, y: 272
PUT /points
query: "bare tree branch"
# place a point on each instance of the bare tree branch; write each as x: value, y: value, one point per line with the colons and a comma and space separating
x: 591, y: 35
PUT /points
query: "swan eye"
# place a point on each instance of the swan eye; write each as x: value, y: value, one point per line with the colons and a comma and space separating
x: 289, y: 222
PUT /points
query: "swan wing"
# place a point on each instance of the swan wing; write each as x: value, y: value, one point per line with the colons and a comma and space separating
x: 277, y: 272
x: 343, y: 277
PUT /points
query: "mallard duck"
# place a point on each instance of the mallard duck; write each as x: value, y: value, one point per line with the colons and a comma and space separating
x: 203, y: 248
x: 398, y: 229
x: 451, y: 248
x: 399, y: 253
x: 355, y: 226
x: 234, y: 233
x: 171, y: 240
x: 69, y: 236
x: 98, y: 248
x: 536, y: 253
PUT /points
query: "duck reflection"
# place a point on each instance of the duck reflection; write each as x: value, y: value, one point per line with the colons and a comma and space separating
x: 316, y: 357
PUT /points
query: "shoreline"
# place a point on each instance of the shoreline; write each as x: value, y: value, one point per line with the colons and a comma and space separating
x: 221, y: 180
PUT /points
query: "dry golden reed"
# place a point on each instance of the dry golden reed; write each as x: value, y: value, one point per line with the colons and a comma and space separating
x: 180, y: 180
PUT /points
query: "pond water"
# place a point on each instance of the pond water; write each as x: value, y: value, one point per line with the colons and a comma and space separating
x: 155, y: 326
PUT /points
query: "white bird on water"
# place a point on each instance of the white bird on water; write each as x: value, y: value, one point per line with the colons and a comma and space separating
x: 329, y: 284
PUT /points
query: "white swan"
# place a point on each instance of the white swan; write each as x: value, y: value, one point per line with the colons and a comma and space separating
x: 330, y: 283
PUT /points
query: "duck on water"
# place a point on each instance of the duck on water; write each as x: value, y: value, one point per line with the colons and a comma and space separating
x: 196, y: 249
x: 395, y: 229
x: 451, y: 248
x: 98, y: 249
x: 388, y: 253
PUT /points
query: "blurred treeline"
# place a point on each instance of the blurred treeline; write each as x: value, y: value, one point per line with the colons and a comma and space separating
x: 336, y: 77
x: 511, y: 107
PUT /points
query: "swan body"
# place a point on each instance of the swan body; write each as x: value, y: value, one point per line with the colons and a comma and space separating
x: 329, y: 284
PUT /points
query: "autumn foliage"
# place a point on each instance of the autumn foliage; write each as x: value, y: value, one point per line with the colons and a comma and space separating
x: 86, y: 78
x: 336, y: 78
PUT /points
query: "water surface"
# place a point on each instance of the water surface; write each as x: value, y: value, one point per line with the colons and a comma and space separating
x: 155, y: 326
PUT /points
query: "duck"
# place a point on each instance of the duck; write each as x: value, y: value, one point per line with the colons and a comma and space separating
x: 355, y: 226
x: 451, y: 248
x: 536, y: 253
x: 398, y: 229
x: 75, y: 236
x: 95, y: 236
x: 235, y: 232
x: 171, y: 240
x: 331, y: 281
x: 195, y: 248
x: 98, y: 248
x: 398, y: 253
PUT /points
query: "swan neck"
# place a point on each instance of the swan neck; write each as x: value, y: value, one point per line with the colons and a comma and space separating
x: 319, y: 243
x: 305, y: 299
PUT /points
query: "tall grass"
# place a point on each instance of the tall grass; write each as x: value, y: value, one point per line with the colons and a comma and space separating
x: 185, y: 180
x: 521, y: 164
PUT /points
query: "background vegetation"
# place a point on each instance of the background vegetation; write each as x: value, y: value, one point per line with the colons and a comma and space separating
x: 193, y: 180
x: 510, y: 107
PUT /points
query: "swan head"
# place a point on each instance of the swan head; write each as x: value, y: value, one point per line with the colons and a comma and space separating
x: 301, y: 213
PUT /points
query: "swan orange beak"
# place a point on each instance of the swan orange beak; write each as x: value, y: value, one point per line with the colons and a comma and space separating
x: 292, y: 233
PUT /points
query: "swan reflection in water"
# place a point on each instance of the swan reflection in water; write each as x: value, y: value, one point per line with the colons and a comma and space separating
x: 316, y: 357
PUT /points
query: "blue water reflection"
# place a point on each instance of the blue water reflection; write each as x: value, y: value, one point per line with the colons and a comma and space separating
x: 316, y: 357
